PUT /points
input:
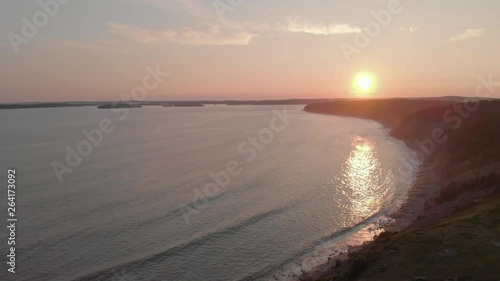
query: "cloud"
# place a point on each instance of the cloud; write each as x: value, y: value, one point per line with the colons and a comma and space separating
x: 411, y: 29
x: 248, y: 25
x: 230, y: 33
x: 304, y: 26
x: 211, y: 35
x: 292, y: 24
x: 468, y: 34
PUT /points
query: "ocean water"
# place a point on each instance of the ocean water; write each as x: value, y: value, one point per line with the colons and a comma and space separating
x: 204, y: 193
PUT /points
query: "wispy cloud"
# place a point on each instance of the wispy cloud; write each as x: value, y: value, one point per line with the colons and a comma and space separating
x: 468, y: 34
x: 302, y: 25
x: 229, y: 33
x: 211, y: 35
x: 411, y: 29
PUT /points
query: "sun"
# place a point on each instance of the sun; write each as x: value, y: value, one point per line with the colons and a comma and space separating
x: 364, y: 84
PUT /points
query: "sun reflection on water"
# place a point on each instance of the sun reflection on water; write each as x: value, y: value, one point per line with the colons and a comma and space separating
x: 362, y: 178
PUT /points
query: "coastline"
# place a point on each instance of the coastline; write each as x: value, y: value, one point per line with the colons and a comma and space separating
x: 419, y: 197
x: 425, y: 204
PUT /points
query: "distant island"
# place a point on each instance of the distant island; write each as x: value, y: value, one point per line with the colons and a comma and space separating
x: 450, y: 224
x: 119, y: 105
x: 182, y: 104
x: 25, y: 105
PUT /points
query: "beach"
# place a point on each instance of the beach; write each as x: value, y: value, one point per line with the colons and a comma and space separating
x: 436, y: 213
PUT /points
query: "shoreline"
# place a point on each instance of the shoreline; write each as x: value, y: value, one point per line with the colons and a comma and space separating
x: 395, y: 219
x: 418, y: 196
x: 437, y: 194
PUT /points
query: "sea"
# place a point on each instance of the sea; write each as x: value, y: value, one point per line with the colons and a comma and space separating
x: 193, y: 193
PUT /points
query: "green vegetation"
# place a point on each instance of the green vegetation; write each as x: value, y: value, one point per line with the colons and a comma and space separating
x: 465, y: 246
x: 461, y: 143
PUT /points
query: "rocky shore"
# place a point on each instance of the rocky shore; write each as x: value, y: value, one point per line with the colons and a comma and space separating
x: 449, y: 227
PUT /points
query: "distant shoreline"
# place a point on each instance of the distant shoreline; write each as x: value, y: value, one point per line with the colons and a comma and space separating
x: 27, y: 105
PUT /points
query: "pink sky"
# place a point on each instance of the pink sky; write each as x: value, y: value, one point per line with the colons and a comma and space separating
x: 96, y: 50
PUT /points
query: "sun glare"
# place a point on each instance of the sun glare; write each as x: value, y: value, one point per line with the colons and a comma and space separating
x: 364, y: 84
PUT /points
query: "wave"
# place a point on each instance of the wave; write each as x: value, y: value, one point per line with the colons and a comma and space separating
x: 267, y: 271
x: 176, y: 250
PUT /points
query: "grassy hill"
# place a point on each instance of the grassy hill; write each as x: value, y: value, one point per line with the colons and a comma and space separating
x: 458, y: 234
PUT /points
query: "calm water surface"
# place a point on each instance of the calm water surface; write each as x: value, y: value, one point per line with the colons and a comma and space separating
x: 138, y: 206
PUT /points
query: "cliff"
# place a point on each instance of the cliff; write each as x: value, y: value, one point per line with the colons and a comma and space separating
x: 456, y: 234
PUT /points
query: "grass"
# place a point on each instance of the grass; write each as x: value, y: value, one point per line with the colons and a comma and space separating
x: 464, y: 246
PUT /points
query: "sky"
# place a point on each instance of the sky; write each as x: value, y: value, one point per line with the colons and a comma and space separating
x: 76, y: 50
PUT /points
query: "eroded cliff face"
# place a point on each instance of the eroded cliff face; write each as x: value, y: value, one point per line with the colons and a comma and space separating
x: 389, y: 112
x: 460, y: 140
x: 461, y: 147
